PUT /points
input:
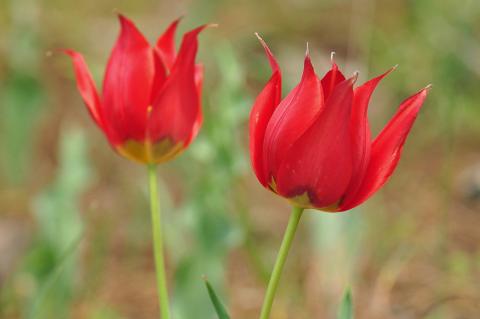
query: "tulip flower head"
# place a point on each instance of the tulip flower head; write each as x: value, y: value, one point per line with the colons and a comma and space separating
x: 314, y: 147
x: 150, y: 107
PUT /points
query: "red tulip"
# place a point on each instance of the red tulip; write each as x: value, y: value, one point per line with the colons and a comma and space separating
x: 150, y: 108
x: 314, y: 147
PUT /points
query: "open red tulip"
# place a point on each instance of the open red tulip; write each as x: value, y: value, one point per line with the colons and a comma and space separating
x: 150, y: 107
x: 314, y: 147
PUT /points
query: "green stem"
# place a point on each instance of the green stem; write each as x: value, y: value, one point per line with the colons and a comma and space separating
x: 158, y: 243
x: 280, y: 262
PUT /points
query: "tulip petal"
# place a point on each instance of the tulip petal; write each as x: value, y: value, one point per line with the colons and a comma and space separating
x: 199, y: 71
x: 262, y: 110
x: 387, y: 148
x: 176, y: 108
x: 165, y: 54
x: 165, y: 47
x: 159, y: 78
x: 128, y: 82
x: 319, y: 164
x: 331, y: 80
x: 360, y: 132
x: 291, y: 118
x: 86, y: 86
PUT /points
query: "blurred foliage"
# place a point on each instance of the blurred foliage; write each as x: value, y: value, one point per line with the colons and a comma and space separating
x: 51, y: 266
x: 21, y: 93
x: 207, y: 215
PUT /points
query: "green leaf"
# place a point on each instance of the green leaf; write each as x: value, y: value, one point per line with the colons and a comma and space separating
x: 346, y: 307
x: 217, y: 304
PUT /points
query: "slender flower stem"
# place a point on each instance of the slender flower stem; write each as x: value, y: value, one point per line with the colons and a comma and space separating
x: 158, y: 243
x: 280, y: 262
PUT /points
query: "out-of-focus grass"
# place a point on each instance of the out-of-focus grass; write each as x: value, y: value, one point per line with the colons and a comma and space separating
x: 21, y: 92
x: 44, y: 285
x: 410, y: 251
x: 204, y: 229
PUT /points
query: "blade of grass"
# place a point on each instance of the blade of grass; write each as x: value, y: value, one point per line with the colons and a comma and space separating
x: 217, y: 304
x: 346, y: 307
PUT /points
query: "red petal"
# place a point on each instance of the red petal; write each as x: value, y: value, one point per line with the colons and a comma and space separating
x: 165, y: 55
x: 165, y: 46
x: 387, y: 149
x: 292, y: 117
x: 262, y: 110
x: 86, y: 86
x: 159, y: 77
x: 199, y: 70
x: 128, y: 83
x: 319, y: 163
x: 176, y: 109
x: 360, y: 132
x: 331, y: 80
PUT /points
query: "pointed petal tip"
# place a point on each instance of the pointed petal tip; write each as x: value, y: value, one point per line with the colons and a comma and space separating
x: 124, y: 21
x: 175, y: 22
x: 308, y: 61
x: 199, y: 29
x: 119, y: 15
x: 424, y: 91
x: 332, y: 57
x: 308, y: 68
x: 271, y: 58
x: 126, y: 24
x: 354, y: 77
x: 70, y: 52
x: 179, y: 18
x: 377, y: 79
x: 264, y: 44
x: 393, y: 68
x: 66, y: 51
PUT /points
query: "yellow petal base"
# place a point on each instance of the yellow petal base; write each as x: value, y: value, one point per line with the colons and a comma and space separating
x: 148, y: 152
x: 303, y: 200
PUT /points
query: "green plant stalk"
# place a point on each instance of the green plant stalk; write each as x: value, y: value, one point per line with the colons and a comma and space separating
x: 280, y: 262
x: 158, y: 243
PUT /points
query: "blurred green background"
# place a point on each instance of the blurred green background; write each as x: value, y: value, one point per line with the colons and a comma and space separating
x: 74, y: 222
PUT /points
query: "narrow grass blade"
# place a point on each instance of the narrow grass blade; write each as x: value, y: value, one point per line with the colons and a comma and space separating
x: 346, y: 307
x: 217, y: 304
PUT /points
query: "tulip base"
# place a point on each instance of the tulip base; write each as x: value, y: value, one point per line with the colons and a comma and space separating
x: 280, y: 262
x: 158, y: 243
x: 149, y: 152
